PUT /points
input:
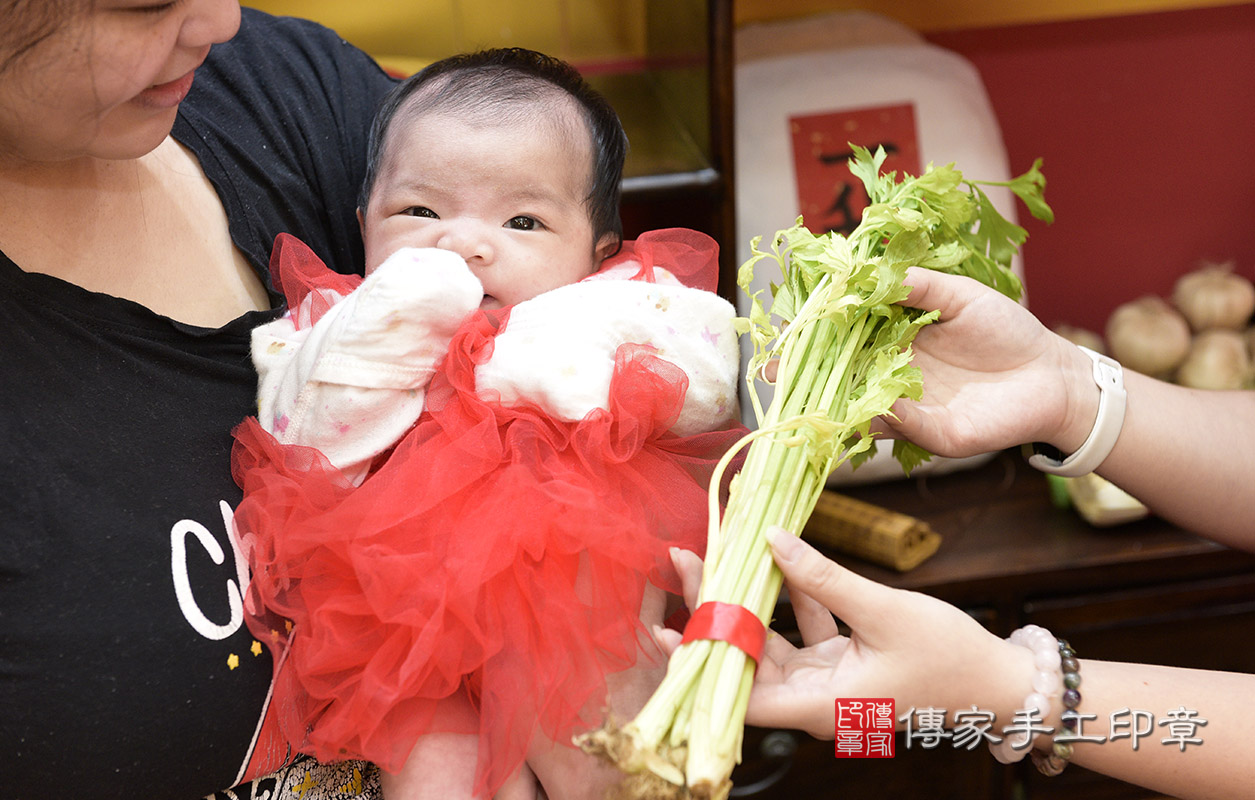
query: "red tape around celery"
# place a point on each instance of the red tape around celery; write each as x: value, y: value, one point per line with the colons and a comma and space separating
x: 725, y: 622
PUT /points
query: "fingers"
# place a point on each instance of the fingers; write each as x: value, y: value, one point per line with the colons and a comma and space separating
x: 814, y: 622
x: 667, y: 638
x: 882, y: 427
x: 856, y: 600
x: 936, y: 291
x: 770, y: 370
x: 689, y: 565
x: 780, y: 705
x: 777, y: 650
x: 653, y: 605
x: 927, y: 292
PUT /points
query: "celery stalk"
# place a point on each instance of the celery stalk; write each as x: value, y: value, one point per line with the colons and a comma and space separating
x: 844, y: 359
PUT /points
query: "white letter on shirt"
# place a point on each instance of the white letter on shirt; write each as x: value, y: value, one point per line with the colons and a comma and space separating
x: 183, y: 586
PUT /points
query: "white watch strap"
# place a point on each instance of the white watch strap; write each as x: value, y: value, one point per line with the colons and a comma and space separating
x: 1111, y: 404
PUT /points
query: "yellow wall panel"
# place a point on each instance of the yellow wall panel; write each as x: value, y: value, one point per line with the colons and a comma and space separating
x: 605, y: 31
x: 405, y: 34
x: 491, y: 23
x: 417, y: 28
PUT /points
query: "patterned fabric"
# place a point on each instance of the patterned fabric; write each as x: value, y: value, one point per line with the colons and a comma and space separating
x: 308, y: 779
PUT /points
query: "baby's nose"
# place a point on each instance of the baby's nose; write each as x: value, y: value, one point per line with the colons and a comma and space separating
x: 471, y: 240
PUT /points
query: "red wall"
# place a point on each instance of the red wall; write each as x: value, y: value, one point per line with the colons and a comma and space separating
x: 1147, y: 127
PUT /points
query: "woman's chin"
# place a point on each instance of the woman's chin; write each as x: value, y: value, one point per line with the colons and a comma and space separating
x: 138, y: 137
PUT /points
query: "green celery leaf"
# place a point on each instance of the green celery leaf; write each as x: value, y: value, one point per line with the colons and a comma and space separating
x: 1030, y: 188
x: 909, y: 455
x: 1000, y: 238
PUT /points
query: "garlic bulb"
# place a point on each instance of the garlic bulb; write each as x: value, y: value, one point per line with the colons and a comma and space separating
x: 1217, y: 360
x: 1148, y: 335
x: 1215, y: 297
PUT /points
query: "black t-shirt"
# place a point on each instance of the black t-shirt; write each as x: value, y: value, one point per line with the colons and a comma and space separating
x: 125, y: 666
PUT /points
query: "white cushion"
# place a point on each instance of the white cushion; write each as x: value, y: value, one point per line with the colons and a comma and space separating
x: 846, y: 61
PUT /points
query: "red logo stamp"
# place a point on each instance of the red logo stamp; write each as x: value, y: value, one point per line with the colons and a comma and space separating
x: 864, y: 727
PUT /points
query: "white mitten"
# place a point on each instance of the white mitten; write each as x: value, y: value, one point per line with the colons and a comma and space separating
x: 355, y: 382
x: 558, y: 349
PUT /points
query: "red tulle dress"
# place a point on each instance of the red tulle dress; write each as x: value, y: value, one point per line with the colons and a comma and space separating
x: 496, y: 555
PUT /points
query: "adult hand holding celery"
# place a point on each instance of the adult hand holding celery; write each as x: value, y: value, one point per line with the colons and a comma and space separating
x: 843, y: 344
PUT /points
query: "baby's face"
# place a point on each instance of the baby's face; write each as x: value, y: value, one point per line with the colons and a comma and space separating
x: 508, y: 198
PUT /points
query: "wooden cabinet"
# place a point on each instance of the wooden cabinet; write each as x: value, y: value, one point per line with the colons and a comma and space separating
x: 677, y: 110
x: 1143, y: 592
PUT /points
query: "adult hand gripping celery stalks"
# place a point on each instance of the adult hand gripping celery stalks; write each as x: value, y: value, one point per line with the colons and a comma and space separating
x: 843, y: 344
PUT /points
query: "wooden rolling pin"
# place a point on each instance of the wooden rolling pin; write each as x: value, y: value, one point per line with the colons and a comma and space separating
x: 876, y: 534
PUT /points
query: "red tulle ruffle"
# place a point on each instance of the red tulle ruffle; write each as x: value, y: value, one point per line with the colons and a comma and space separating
x: 691, y: 256
x: 497, y: 557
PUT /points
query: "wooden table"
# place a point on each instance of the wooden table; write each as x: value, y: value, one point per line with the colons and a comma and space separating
x: 1142, y: 591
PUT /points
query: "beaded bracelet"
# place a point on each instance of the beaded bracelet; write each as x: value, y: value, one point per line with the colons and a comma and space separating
x: 1056, y: 760
x: 1047, y: 684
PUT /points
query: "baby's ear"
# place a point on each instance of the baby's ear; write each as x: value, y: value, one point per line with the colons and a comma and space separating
x: 361, y: 223
x: 606, y: 246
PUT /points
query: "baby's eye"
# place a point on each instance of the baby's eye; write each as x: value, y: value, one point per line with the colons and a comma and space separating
x: 523, y: 223
x: 421, y: 211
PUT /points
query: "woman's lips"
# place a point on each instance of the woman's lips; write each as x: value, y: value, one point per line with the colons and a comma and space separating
x: 166, y: 95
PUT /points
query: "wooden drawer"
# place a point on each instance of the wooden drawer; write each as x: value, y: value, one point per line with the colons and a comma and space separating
x: 1201, y: 624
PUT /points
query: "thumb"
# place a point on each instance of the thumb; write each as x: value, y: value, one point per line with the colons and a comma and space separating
x: 933, y: 290
x: 689, y: 565
x: 855, y: 600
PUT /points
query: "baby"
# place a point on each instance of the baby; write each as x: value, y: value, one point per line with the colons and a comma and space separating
x: 467, y: 470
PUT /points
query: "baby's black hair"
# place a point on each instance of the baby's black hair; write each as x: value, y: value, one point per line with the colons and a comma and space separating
x: 490, y: 83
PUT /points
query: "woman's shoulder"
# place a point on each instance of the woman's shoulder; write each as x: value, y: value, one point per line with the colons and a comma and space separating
x: 279, y: 118
x: 269, y: 33
x: 292, y: 60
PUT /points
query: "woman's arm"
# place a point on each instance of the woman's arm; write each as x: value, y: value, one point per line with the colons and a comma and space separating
x: 1189, y: 455
x: 995, y: 377
x: 1217, y: 766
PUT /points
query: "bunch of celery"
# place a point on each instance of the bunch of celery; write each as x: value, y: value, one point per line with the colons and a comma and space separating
x: 843, y: 350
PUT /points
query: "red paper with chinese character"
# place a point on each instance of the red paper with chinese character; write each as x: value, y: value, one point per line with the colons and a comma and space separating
x: 829, y: 197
